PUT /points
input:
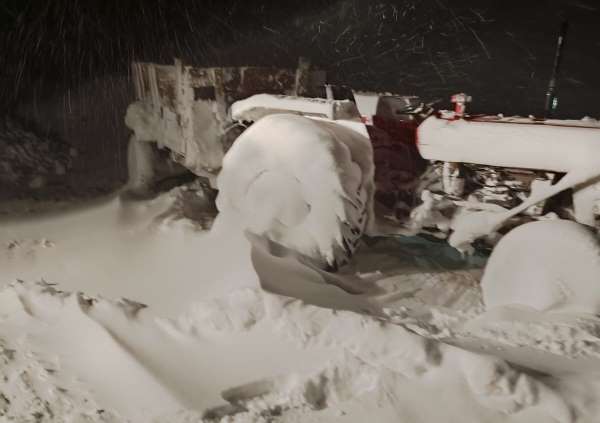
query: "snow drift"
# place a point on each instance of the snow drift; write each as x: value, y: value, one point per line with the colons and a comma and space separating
x: 230, y: 352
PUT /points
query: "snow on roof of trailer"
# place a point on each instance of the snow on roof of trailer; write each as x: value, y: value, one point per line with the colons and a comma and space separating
x: 312, y: 106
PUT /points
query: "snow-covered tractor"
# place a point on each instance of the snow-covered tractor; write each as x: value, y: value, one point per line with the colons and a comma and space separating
x: 397, y: 166
x: 316, y: 174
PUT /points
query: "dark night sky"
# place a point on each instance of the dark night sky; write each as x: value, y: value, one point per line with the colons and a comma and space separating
x: 500, y: 51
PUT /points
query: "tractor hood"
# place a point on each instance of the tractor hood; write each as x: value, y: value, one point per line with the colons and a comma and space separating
x: 553, y: 145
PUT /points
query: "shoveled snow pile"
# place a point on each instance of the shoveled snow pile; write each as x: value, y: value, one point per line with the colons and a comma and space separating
x: 30, y: 161
x: 305, y: 183
x: 268, y: 358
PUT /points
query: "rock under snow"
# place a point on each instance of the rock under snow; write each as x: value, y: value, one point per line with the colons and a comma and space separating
x: 29, y: 160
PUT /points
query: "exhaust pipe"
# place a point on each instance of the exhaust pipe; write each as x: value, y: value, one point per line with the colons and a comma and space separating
x: 551, y: 98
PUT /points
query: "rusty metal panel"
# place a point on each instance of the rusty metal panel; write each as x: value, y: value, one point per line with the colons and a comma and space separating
x: 232, y: 79
x: 141, y: 73
x: 142, y: 76
x: 137, y: 80
x: 201, y: 77
x: 301, y: 78
x: 241, y: 82
x: 165, y: 81
x: 316, y: 83
x: 266, y: 80
x: 237, y: 82
x: 152, y: 88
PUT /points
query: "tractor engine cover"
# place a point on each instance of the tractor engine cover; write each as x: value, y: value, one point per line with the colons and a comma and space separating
x: 559, y: 146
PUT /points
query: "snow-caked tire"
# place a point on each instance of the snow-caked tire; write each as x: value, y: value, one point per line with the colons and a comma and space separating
x: 306, y: 184
x: 545, y: 265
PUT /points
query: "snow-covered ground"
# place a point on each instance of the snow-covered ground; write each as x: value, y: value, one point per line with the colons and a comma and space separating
x: 210, y: 345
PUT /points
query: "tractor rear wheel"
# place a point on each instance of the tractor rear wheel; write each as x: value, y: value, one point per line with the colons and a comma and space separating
x: 302, y: 183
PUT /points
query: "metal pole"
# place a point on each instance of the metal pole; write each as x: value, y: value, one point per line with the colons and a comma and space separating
x: 551, y: 98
